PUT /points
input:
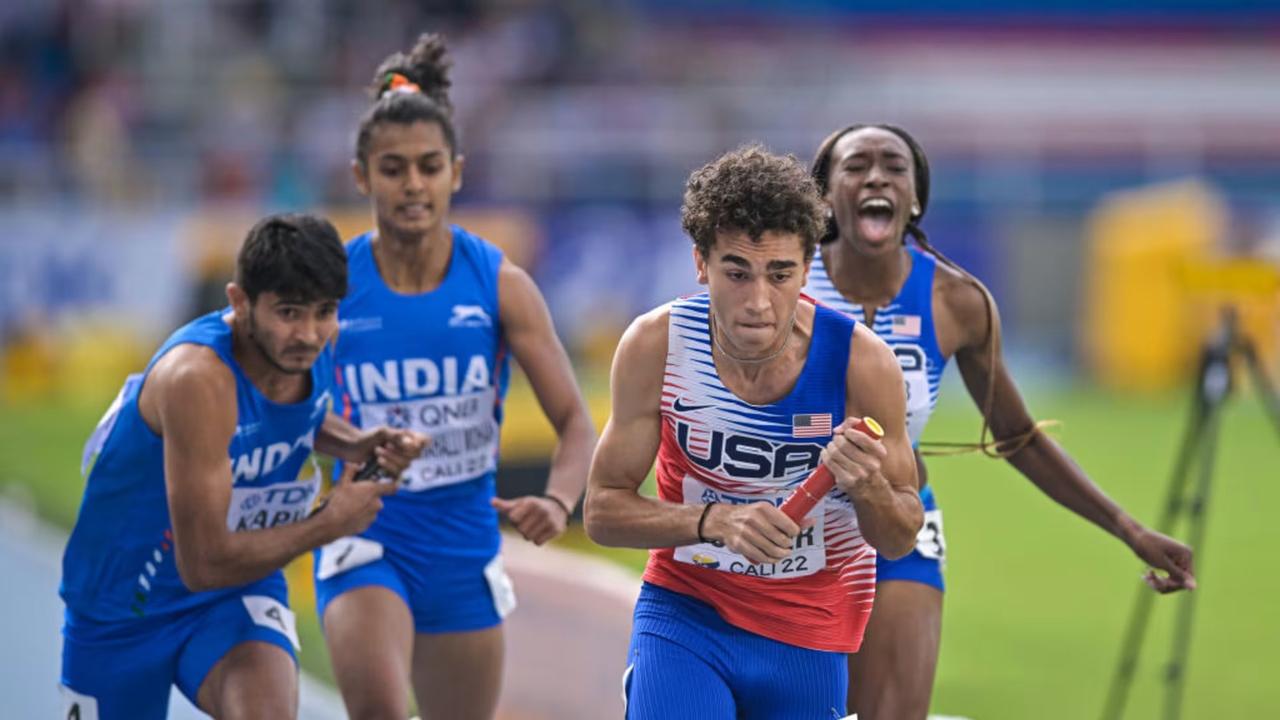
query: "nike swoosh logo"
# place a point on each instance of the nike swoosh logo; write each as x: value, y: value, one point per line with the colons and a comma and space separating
x: 678, y: 407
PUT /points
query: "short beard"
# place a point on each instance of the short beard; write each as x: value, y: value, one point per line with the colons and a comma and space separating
x: 262, y: 350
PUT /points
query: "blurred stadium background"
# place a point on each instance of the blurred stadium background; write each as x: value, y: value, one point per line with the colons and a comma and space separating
x: 1110, y: 169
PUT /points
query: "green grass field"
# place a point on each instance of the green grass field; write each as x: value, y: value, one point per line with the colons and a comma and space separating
x: 1037, y: 598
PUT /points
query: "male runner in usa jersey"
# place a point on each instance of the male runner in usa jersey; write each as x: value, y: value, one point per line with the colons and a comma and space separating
x: 201, y: 492
x: 739, y: 393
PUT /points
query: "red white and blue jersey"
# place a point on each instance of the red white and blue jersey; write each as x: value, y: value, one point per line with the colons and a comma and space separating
x: 716, y: 447
x: 906, y: 324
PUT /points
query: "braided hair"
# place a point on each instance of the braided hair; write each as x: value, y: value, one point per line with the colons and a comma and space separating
x: 821, y: 170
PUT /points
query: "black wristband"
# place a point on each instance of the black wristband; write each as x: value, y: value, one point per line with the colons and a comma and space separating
x: 568, y: 511
x: 706, y: 510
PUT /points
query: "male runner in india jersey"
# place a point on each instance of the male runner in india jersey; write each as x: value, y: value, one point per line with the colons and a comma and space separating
x: 739, y: 393
x: 201, y: 492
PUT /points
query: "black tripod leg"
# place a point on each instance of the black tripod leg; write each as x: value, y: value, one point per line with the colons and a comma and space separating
x: 1197, y: 510
x: 1270, y: 398
x: 1122, y: 678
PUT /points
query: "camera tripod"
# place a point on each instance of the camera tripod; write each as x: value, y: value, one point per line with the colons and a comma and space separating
x: 1215, y: 383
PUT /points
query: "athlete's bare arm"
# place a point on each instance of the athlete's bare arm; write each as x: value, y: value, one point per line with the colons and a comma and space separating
x: 879, y: 475
x: 528, y: 330
x: 963, y: 329
x: 616, y: 514
x: 389, y: 447
x: 189, y: 399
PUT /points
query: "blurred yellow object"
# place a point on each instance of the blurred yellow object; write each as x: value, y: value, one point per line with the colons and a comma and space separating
x: 302, y: 589
x: 527, y: 436
x: 1154, y: 286
x: 27, y: 367
x: 1252, y: 288
x: 85, y: 362
x: 96, y: 357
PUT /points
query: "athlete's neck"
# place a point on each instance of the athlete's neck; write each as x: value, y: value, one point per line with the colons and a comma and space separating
x: 871, y: 280
x: 415, y: 264
x: 764, y: 382
x: 275, y: 383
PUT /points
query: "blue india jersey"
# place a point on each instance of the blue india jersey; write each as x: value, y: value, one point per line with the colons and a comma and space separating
x: 119, y: 562
x: 434, y: 362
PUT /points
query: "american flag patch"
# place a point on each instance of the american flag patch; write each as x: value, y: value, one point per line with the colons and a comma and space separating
x: 906, y: 325
x: 811, y: 425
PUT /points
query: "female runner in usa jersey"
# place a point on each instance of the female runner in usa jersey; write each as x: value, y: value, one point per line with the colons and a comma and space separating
x: 416, y: 602
x: 876, y: 182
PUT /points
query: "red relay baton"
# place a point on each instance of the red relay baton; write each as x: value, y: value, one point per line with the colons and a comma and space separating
x: 805, y: 497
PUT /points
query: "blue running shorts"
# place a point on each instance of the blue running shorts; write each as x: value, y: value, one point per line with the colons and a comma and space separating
x: 124, y: 669
x: 685, y: 661
x: 924, y: 563
x: 445, y: 594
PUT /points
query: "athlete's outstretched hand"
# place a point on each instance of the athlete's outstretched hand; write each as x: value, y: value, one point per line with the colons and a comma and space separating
x: 1164, y: 553
x: 852, y: 456
x: 352, y: 506
x: 539, y: 519
x: 760, y: 532
x: 392, y: 449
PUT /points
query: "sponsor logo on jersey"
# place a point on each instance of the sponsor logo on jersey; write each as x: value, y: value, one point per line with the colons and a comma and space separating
x: 472, y: 316
x: 398, y: 417
x: 680, y: 407
x: 706, y: 561
x: 249, y: 429
x: 360, y: 324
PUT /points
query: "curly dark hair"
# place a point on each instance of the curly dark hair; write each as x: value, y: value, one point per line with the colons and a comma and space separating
x: 425, y: 65
x: 752, y: 190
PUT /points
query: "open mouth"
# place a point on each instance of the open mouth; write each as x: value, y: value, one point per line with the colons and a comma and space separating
x: 414, y: 210
x: 875, y: 219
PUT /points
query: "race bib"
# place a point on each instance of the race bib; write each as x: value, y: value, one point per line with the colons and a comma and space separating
x: 76, y: 706
x: 463, y: 432
x: 346, y: 553
x: 260, y: 508
x: 98, y: 437
x: 929, y: 541
x: 808, y: 556
x: 269, y: 612
x: 504, y: 593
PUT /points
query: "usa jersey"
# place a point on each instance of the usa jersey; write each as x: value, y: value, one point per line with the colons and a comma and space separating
x: 119, y: 562
x: 716, y: 447
x: 434, y: 362
x: 906, y: 324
